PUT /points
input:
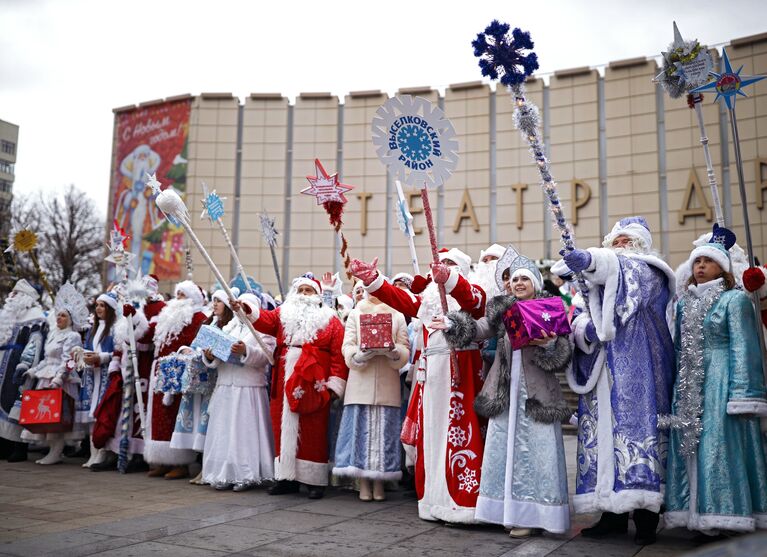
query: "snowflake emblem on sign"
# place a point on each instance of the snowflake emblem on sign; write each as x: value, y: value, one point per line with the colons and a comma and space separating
x: 298, y: 392
x: 456, y: 436
x: 546, y: 316
x: 456, y: 410
x: 416, y: 141
x: 467, y: 481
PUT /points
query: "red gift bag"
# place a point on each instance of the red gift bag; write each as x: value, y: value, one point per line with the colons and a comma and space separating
x: 375, y: 331
x: 47, y: 411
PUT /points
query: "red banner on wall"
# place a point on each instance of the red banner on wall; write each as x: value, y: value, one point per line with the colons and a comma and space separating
x: 151, y: 140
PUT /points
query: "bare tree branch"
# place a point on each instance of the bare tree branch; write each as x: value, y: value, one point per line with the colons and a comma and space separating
x: 70, y: 238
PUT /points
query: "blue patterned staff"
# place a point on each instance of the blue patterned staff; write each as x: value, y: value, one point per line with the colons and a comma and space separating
x: 502, y: 57
x: 213, y: 210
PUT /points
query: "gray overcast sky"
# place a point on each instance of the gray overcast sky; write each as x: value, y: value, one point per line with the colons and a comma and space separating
x: 65, y: 64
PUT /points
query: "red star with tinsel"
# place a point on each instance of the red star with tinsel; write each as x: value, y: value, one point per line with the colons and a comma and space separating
x: 325, y: 187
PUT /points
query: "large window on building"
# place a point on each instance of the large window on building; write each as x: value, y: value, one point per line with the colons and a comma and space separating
x: 8, y: 147
x: 5, y: 186
x: 6, y: 167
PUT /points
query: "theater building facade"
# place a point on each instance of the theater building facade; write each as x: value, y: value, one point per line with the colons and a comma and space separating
x: 618, y: 147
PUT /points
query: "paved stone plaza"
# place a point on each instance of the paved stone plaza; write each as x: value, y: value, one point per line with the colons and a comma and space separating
x: 64, y: 510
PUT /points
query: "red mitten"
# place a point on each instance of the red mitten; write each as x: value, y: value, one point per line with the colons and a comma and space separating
x: 366, y: 272
x: 128, y: 309
x: 753, y: 279
x: 440, y: 272
x: 419, y: 284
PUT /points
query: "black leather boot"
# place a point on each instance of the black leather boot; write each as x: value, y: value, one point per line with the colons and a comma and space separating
x: 646, y: 523
x: 316, y: 491
x: 19, y: 453
x: 283, y: 487
x: 609, y: 523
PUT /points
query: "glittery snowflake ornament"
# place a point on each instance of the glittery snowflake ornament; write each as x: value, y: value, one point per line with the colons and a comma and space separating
x: 504, y: 56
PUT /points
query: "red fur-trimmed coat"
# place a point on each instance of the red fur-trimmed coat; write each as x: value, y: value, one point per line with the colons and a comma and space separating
x: 447, y: 470
x: 301, y: 440
x: 164, y: 417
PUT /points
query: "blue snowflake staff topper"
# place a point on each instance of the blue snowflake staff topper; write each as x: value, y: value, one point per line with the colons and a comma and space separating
x: 501, y: 55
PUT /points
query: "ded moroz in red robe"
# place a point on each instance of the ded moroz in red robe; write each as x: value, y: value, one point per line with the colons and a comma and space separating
x: 305, y: 339
x: 448, y: 440
x: 177, y: 326
x: 145, y: 321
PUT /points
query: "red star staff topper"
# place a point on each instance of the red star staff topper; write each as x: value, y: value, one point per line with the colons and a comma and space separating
x: 325, y: 187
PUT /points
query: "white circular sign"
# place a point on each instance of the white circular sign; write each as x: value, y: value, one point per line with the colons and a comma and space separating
x: 415, y: 140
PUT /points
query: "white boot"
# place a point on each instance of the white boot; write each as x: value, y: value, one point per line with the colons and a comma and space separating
x: 365, y: 493
x: 97, y: 455
x: 54, y: 453
x: 379, y: 493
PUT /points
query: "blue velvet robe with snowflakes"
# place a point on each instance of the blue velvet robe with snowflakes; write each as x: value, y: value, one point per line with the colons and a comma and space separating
x: 625, y: 380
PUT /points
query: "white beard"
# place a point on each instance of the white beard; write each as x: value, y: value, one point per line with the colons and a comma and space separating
x: 484, y: 277
x: 431, y: 305
x: 176, y: 315
x: 13, y: 310
x: 302, y: 317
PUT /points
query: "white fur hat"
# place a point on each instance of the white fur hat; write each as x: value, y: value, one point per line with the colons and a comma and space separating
x: 221, y: 296
x: 714, y: 251
x: 302, y: 280
x: 109, y: 298
x: 495, y: 250
x: 23, y: 287
x: 191, y: 291
x: 635, y: 227
x: 461, y: 259
x: 535, y: 277
x: 404, y: 277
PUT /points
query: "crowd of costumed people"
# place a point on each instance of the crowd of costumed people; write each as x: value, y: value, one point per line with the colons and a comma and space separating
x: 373, y: 385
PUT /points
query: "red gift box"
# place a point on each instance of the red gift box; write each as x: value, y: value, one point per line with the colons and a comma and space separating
x: 375, y: 331
x: 47, y: 411
x: 525, y: 319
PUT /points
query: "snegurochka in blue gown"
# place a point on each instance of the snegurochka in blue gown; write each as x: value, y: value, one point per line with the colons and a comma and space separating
x: 717, y: 469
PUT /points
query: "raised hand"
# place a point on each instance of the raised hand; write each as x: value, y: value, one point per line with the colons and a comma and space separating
x: 577, y: 260
x: 440, y: 272
x: 366, y: 272
x: 327, y: 280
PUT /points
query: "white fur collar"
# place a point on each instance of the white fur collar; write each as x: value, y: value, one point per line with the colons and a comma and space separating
x: 302, y: 319
x: 698, y: 290
x: 176, y: 315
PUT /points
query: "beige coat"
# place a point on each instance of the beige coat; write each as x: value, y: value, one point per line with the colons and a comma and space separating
x: 377, y: 380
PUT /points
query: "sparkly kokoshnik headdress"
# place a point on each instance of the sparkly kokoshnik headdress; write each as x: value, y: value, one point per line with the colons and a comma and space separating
x: 513, y: 261
x: 70, y: 300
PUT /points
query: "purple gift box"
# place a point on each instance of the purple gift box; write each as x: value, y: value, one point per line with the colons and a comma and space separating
x: 525, y: 319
